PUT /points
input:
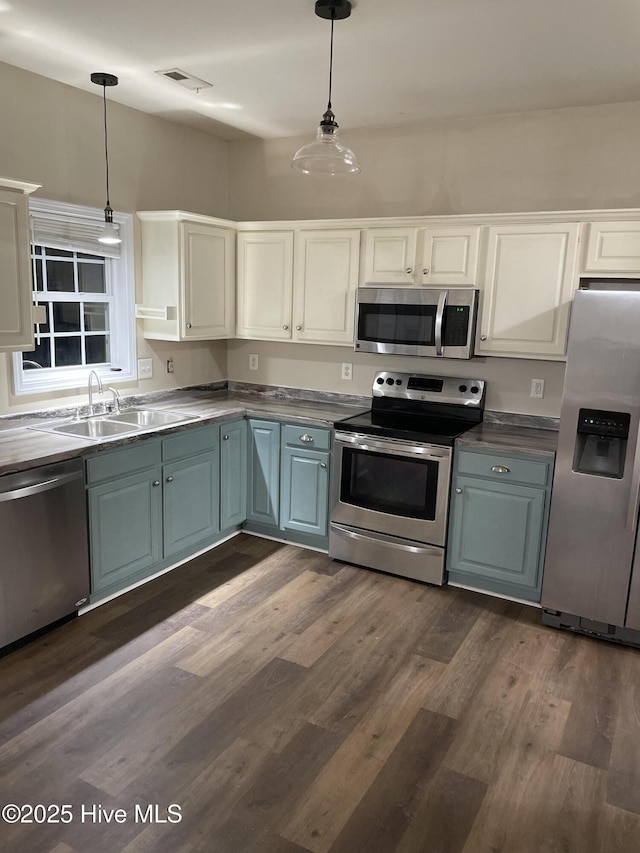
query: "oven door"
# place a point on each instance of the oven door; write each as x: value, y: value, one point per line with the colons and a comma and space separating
x: 392, y: 487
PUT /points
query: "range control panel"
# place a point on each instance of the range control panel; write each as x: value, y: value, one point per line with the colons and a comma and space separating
x: 600, y: 422
x: 433, y: 389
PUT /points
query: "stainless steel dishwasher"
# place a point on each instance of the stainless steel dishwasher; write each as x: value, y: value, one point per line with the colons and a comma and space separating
x: 44, y: 562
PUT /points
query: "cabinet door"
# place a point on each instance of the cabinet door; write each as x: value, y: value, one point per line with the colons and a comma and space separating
x: 528, y: 288
x: 125, y: 519
x: 263, y: 505
x: 325, y: 281
x: 305, y: 491
x: 449, y: 256
x: 389, y: 256
x: 496, y: 531
x: 613, y: 247
x: 209, y: 282
x: 191, y: 500
x: 233, y: 473
x: 16, y: 325
x: 265, y: 285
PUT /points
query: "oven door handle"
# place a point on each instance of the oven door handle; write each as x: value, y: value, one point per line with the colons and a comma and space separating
x: 442, y: 301
x: 413, y: 451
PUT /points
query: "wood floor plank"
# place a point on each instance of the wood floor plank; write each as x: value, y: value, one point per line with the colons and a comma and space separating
x: 388, y: 808
x: 588, y: 734
x: 346, y: 777
x: 623, y: 788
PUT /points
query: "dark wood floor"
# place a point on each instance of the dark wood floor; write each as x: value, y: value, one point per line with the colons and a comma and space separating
x: 287, y: 703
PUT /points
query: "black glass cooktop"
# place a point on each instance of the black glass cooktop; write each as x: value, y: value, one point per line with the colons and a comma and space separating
x: 427, y: 429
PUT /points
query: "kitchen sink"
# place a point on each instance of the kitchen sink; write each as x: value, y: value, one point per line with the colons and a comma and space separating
x: 94, y: 428
x: 149, y: 418
x: 103, y: 427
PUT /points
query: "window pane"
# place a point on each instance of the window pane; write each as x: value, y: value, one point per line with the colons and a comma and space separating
x: 68, y: 351
x: 97, y: 349
x: 44, y: 327
x: 37, y: 250
x: 60, y: 276
x: 37, y: 272
x: 39, y: 357
x: 66, y: 316
x: 96, y: 316
x: 81, y: 256
x: 58, y: 253
x: 91, y: 278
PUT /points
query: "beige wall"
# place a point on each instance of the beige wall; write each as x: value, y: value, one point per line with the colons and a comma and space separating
x: 53, y: 135
x: 570, y: 159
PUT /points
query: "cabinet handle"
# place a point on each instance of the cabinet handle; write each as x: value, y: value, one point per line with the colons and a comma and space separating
x: 298, y: 328
x: 285, y: 328
x: 306, y: 438
x: 409, y: 270
x: 483, y: 337
x: 323, y: 464
x: 169, y: 479
x: 458, y: 491
x: 225, y: 438
x: 501, y: 469
x: 188, y: 325
x: 425, y: 272
x: 156, y: 483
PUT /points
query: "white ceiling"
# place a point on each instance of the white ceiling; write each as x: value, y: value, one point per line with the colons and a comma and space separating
x: 394, y: 62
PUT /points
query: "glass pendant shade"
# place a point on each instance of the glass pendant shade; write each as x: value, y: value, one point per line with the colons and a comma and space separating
x: 109, y: 235
x: 327, y: 155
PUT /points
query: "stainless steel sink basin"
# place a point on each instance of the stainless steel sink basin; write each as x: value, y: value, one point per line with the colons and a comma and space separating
x: 150, y: 418
x: 94, y: 428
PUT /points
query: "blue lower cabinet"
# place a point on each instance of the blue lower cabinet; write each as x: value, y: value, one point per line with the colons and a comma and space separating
x: 191, y: 501
x: 263, y: 500
x: 304, y: 483
x: 125, y: 521
x: 497, y: 525
x: 233, y: 473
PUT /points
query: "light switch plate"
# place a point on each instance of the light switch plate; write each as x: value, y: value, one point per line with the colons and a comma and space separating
x: 145, y: 368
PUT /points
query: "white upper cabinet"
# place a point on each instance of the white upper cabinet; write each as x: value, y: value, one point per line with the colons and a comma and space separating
x: 325, y: 281
x: 612, y: 247
x: 16, y: 289
x: 389, y: 256
x: 265, y: 285
x: 188, y: 270
x: 530, y: 278
x: 298, y: 286
x: 421, y: 256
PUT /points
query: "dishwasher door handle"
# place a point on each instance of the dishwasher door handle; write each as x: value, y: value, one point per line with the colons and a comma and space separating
x: 37, y: 488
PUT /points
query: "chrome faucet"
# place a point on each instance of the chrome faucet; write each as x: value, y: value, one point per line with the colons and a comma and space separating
x: 90, y: 385
x: 116, y: 399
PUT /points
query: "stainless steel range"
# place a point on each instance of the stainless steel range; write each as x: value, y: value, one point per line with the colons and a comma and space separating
x: 390, y: 492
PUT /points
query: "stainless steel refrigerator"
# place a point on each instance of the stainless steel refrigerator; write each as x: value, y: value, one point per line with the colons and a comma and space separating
x: 591, y: 577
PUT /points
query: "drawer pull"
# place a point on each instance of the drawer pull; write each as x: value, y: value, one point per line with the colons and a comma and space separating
x: 169, y: 479
x: 323, y: 464
x: 306, y: 438
x: 225, y: 438
x: 501, y: 469
x: 458, y: 491
x: 156, y: 483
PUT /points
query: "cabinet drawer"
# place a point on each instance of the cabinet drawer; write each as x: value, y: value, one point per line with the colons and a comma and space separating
x: 304, y: 436
x: 106, y: 466
x: 190, y: 442
x: 492, y: 465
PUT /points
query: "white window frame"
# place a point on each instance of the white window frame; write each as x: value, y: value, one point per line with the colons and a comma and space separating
x: 119, y: 273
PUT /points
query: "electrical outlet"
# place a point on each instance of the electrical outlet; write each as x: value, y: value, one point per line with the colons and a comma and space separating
x: 537, y: 387
x: 253, y: 361
x: 145, y: 368
x: 170, y: 368
x: 347, y: 370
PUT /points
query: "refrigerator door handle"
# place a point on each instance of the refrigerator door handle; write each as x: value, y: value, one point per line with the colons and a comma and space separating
x: 634, y: 494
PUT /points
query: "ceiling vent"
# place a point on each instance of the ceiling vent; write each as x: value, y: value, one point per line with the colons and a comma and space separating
x: 181, y: 77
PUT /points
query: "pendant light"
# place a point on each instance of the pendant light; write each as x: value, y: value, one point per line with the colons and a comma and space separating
x: 327, y: 156
x: 110, y: 232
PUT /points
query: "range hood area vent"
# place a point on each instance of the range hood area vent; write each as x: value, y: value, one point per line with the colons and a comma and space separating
x: 183, y: 78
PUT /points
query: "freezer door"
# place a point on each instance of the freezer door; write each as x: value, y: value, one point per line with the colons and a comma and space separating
x: 592, y: 527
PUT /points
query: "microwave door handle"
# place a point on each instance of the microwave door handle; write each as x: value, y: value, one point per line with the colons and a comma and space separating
x: 442, y: 301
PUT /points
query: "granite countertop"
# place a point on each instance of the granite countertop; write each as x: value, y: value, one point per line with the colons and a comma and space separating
x: 22, y: 447
x: 517, y: 439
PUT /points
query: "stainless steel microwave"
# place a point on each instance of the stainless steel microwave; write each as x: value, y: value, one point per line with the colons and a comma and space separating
x: 438, y: 322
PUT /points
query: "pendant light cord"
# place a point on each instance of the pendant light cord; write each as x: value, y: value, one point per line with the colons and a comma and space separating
x: 333, y: 17
x: 106, y: 147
